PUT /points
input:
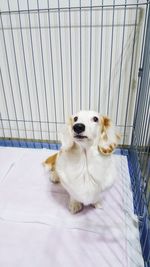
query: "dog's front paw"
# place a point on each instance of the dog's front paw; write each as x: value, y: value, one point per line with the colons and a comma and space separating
x: 98, y: 205
x: 75, y: 206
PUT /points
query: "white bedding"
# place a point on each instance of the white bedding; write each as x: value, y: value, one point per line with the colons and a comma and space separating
x: 37, y: 230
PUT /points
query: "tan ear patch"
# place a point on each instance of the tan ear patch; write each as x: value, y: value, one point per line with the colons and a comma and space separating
x: 106, y: 122
x: 108, y: 137
x: 51, y: 161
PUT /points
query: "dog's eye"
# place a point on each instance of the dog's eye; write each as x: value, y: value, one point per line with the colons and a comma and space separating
x: 95, y: 119
x: 75, y: 119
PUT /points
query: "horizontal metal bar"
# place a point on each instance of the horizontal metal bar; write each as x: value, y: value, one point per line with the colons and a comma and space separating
x: 30, y: 140
x: 73, y: 26
x: 53, y: 122
x: 72, y: 9
x: 29, y: 130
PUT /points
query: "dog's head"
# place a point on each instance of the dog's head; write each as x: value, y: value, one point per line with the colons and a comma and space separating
x: 88, y: 128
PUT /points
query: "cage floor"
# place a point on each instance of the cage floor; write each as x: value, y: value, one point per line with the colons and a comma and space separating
x: 36, y: 228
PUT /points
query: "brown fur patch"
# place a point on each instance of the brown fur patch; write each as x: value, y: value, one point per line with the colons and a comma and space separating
x: 106, y: 121
x: 104, y: 150
x: 112, y: 146
x: 51, y: 161
x: 107, y: 151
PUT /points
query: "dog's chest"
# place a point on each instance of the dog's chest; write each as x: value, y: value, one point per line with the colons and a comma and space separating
x: 81, y: 173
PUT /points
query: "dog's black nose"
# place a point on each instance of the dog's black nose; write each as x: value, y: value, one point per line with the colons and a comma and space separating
x: 79, y: 128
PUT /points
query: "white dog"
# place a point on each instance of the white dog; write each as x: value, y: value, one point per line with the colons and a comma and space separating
x: 84, y: 166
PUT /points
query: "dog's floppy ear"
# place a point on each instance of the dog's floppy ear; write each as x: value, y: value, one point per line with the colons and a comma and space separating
x: 66, y: 136
x: 108, y: 137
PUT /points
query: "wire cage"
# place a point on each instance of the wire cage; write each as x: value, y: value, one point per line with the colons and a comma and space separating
x: 59, y: 57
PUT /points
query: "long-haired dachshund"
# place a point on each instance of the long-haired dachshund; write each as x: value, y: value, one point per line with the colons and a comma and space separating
x: 84, y: 165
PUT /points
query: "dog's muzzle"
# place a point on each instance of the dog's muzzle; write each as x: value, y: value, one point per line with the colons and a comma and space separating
x: 79, y: 128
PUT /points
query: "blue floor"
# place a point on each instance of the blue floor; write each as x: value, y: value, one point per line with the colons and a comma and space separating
x: 29, y: 144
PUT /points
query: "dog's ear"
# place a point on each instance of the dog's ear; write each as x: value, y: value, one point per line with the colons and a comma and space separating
x: 108, y: 136
x: 66, y: 136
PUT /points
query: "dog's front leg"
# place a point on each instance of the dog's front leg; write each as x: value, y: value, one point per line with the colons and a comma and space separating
x: 75, y: 206
x: 54, y: 177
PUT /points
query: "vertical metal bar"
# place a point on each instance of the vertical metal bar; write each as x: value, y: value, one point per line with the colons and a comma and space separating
x: 146, y: 167
x: 61, y: 62
x: 7, y: 112
x: 146, y: 238
x: 138, y: 194
x: 141, y: 132
x: 10, y: 81
x: 119, y: 87
x: 2, y: 125
x: 129, y: 88
x: 70, y: 41
x: 142, y: 92
x: 26, y: 73
x: 141, y: 64
x: 3, y: 132
x: 17, y: 72
x: 80, y: 56
x: 0, y: 112
x: 100, y: 60
x: 147, y: 171
x: 34, y: 70
x: 145, y: 112
x: 140, y: 117
x: 144, y: 136
x: 112, y: 35
x: 90, y: 70
x: 145, y: 156
x: 43, y: 70
x: 52, y: 69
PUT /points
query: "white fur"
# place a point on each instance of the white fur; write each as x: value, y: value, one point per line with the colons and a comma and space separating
x: 83, y: 171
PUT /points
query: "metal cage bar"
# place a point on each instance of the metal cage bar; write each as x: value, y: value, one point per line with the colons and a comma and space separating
x: 140, y: 147
x: 75, y: 8
x: 126, y: 127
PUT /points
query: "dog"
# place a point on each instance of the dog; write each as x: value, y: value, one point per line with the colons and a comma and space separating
x: 84, y: 165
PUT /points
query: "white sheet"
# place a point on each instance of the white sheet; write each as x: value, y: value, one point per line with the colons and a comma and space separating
x: 36, y: 228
